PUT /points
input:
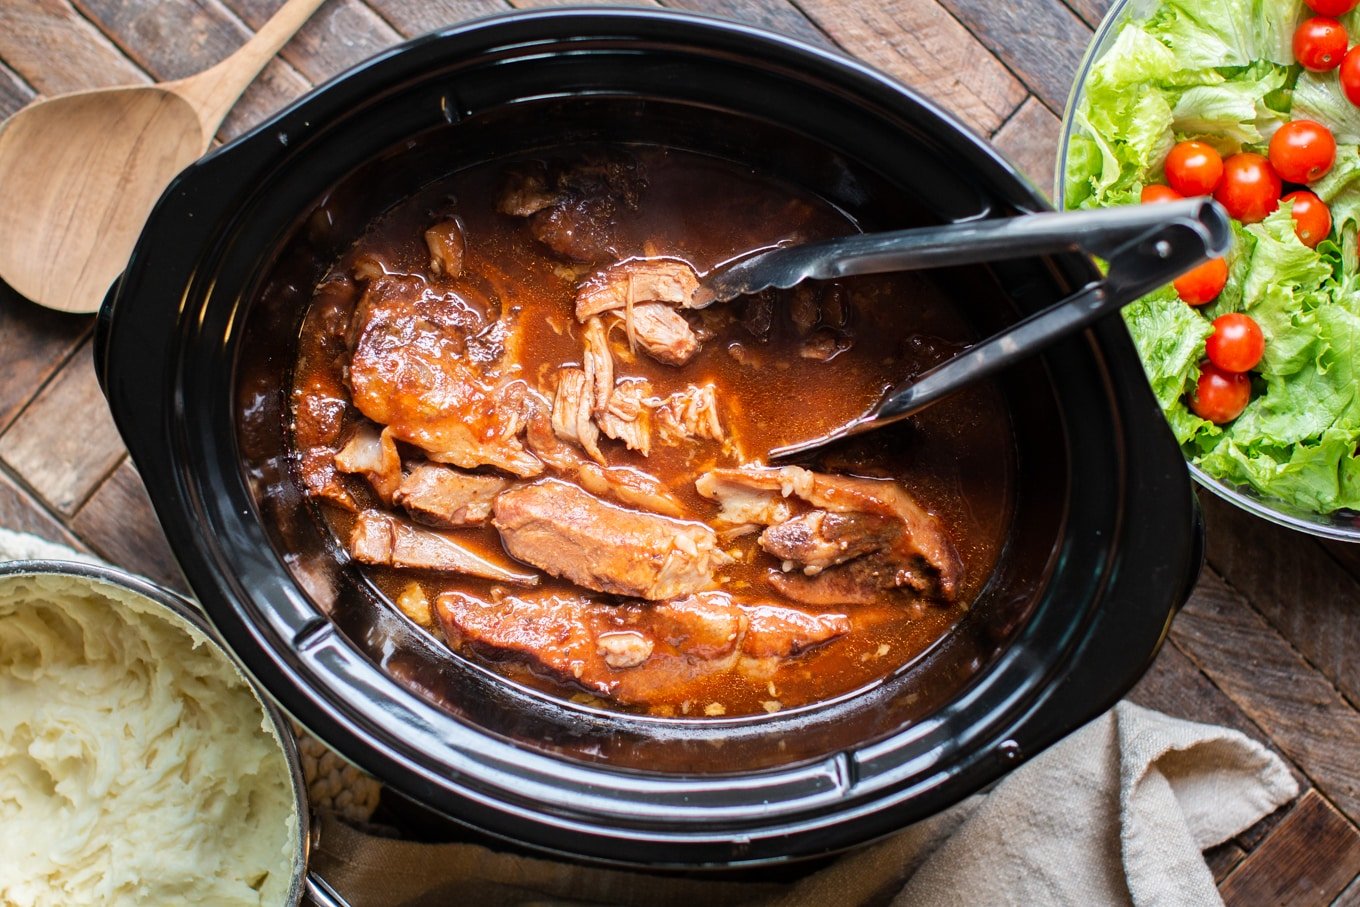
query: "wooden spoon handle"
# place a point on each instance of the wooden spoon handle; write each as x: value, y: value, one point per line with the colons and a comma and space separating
x: 213, y: 91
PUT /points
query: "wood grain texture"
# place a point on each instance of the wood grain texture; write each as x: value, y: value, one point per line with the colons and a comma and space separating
x: 1042, y: 43
x: 65, y: 443
x: 174, y: 40
x: 1175, y: 685
x: 1223, y: 859
x: 34, y: 342
x: 1090, y: 11
x: 1301, y: 589
x: 119, y: 523
x: 20, y: 512
x: 1307, y: 861
x: 56, y: 50
x: 919, y: 42
x: 776, y: 15
x: 1030, y: 139
x: 1351, y: 896
x: 341, y: 34
x: 14, y: 91
x: 1245, y: 658
x: 412, y: 19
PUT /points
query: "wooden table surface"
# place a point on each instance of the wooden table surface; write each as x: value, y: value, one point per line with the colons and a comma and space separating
x: 1270, y: 642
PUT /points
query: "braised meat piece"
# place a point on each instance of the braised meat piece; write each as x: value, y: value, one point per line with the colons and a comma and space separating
x: 381, y: 539
x: 622, y: 483
x: 661, y: 331
x: 598, y: 364
x: 571, y: 412
x: 448, y: 498
x: 776, y: 632
x: 687, y: 414
x: 627, y: 417
x: 320, y: 400
x: 820, y: 539
x: 634, y: 653
x: 447, y: 246
x: 572, y: 210
x: 630, y: 283
x: 918, y: 558
x: 372, y: 453
x: 557, y: 527
x: 411, y: 372
x: 747, y: 501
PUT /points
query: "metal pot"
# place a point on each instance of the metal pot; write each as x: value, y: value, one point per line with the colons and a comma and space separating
x: 194, y: 347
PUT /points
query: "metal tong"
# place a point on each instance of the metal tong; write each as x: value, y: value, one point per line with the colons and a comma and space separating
x: 1145, y: 246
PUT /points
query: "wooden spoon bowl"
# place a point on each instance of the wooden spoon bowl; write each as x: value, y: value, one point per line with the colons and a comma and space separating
x: 79, y: 173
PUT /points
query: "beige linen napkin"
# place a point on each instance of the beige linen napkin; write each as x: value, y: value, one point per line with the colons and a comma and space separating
x: 1117, y: 813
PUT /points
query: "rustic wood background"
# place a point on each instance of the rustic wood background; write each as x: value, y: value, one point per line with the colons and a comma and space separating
x: 1270, y: 642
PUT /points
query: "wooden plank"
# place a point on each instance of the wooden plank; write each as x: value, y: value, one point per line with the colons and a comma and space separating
x: 1042, y: 43
x: 1295, y: 583
x: 1306, y: 862
x: 1245, y: 658
x: 776, y: 15
x: 174, y: 40
x: 55, y: 50
x: 340, y: 34
x: 411, y: 19
x: 1223, y: 859
x: 1175, y: 686
x: 14, y: 91
x: 1030, y: 139
x: 1351, y: 896
x: 21, y: 512
x: 65, y: 442
x: 34, y: 342
x: 120, y: 525
x: 919, y: 42
x: 1090, y: 11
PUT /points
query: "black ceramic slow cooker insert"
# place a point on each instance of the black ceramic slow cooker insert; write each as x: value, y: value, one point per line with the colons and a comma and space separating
x: 196, y: 342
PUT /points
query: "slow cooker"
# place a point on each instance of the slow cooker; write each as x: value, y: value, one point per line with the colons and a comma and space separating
x: 195, y: 342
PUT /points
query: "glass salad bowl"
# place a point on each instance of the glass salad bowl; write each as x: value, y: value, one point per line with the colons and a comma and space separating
x: 1342, y: 524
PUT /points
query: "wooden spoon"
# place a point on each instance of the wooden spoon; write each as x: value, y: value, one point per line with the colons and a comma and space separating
x: 79, y: 173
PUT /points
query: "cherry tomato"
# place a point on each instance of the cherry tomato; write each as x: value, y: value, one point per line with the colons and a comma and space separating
x: 1349, y: 74
x: 1193, y: 168
x: 1202, y: 284
x: 1154, y: 193
x: 1250, y: 188
x: 1331, y: 8
x: 1302, y: 151
x: 1220, y: 396
x: 1312, y: 217
x: 1320, y: 43
x: 1236, y: 344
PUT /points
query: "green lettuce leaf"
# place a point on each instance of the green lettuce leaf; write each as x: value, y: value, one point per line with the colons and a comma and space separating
x: 1170, y: 338
x: 1317, y: 96
x: 1232, y: 114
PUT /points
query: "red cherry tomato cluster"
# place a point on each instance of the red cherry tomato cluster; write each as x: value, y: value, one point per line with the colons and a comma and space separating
x: 1224, y: 387
x: 1250, y: 186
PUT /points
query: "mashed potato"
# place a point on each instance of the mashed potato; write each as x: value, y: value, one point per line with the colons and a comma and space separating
x: 136, y: 765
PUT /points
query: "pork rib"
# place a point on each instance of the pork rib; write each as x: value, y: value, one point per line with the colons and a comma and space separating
x: 561, y: 529
x: 632, y: 652
x: 384, y: 540
x: 898, y: 544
